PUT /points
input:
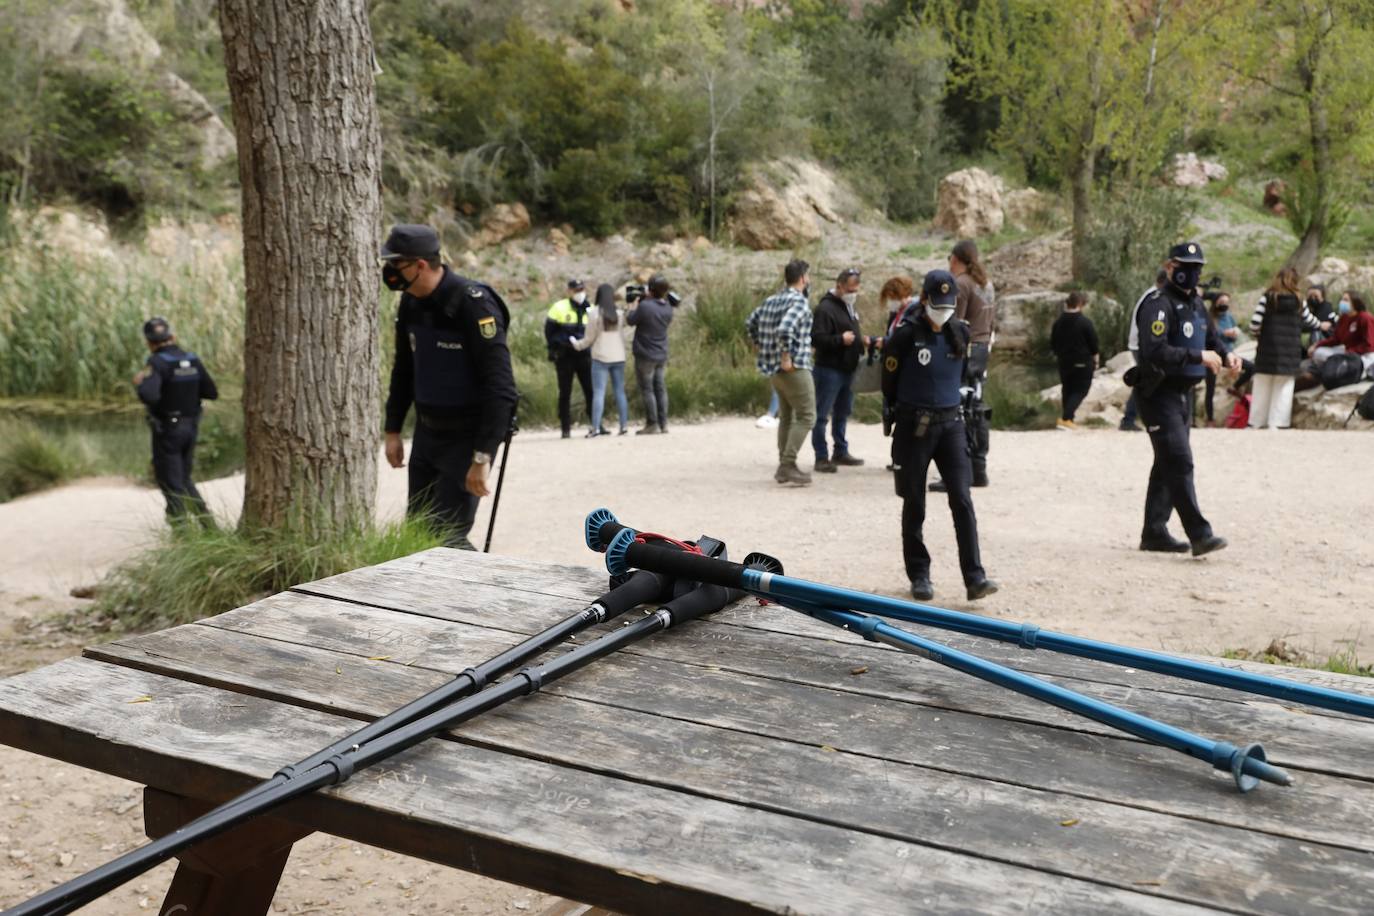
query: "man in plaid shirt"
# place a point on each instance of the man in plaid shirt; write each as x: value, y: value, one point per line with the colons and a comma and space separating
x: 781, y: 331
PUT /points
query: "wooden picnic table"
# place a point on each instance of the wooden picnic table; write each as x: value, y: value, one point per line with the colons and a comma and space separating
x: 753, y: 761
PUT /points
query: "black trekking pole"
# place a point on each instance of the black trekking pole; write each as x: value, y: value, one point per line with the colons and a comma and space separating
x: 625, y: 548
x: 500, y: 480
x: 642, y: 587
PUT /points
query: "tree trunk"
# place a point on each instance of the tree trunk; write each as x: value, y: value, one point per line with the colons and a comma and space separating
x: 309, y: 153
x: 1085, y: 150
x: 1304, y: 257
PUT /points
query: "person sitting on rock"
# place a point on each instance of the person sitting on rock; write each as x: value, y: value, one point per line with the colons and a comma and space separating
x: 1354, y: 333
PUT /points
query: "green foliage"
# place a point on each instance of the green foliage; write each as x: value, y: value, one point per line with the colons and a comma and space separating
x: 194, y: 572
x: 1130, y: 233
x: 31, y: 461
x: 70, y: 328
x: 1304, y: 201
x: 877, y: 109
x: 1013, y: 393
x: 89, y: 130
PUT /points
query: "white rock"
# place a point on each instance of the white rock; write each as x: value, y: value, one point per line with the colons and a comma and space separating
x: 783, y: 204
x: 969, y: 203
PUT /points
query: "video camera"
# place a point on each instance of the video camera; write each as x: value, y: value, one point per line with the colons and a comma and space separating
x: 636, y: 291
x: 1211, y: 288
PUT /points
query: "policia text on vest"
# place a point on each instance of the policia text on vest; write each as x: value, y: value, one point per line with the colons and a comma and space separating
x: 453, y: 364
x: 171, y: 385
x: 923, y: 369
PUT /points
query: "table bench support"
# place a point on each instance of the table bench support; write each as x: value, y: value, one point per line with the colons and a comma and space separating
x: 234, y: 874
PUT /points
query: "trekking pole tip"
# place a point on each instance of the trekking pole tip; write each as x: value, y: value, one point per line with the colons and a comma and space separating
x: 1249, y: 766
x: 595, y: 519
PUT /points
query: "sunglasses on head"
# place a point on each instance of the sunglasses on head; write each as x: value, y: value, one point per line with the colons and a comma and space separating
x: 849, y: 272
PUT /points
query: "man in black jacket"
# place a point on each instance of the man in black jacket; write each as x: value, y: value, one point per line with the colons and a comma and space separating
x: 453, y: 364
x: 839, y: 345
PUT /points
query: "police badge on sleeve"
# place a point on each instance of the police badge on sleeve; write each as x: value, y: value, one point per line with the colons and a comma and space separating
x: 487, y: 327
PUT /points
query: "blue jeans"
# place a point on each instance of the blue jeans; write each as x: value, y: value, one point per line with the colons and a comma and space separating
x: 616, y: 371
x: 834, y: 401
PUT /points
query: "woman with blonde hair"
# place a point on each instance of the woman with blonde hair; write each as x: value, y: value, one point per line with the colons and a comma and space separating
x: 1277, y: 324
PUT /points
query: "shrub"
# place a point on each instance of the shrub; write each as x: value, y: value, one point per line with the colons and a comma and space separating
x: 30, y: 460
x: 1131, y: 232
x: 193, y: 572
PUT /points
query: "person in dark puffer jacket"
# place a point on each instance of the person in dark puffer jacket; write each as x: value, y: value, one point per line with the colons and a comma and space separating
x: 1277, y: 323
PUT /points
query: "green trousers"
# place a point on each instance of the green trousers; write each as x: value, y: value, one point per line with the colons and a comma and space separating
x: 797, y: 411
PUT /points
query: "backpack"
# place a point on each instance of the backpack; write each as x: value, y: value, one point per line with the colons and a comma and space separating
x: 1240, y: 414
x: 1340, y: 370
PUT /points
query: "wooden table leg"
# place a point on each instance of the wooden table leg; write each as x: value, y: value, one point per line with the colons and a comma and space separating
x: 234, y: 874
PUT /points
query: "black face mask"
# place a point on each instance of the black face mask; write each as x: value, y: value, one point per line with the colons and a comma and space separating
x: 1313, y: 302
x: 395, y: 280
x: 1186, y: 276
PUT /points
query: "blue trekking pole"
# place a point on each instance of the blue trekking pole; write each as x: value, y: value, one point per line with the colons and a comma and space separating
x: 622, y: 551
x: 1246, y: 764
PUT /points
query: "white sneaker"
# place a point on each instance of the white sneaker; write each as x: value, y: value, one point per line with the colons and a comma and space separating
x: 766, y: 422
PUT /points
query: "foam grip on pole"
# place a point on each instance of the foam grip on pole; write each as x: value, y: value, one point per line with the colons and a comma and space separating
x: 639, y: 587
x: 706, y: 599
x: 601, y: 527
x: 624, y: 553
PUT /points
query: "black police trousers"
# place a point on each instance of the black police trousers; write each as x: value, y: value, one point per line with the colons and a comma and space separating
x: 944, y: 442
x: 439, y: 463
x: 1167, y: 415
x: 572, y: 364
x: 174, y: 446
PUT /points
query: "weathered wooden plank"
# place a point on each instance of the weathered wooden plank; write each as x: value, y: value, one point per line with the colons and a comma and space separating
x: 1202, y: 863
x: 1117, y: 769
x: 1336, y: 745
x: 592, y: 837
x: 440, y: 563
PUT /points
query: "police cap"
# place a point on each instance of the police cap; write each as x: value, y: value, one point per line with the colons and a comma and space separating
x: 575, y: 283
x: 939, y: 289
x: 409, y: 240
x: 1187, y: 253
x: 157, y: 330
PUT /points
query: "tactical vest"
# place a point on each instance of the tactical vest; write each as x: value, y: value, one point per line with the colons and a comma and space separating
x: 1188, y: 330
x: 181, y: 375
x: 931, y: 372
x: 445, y: 375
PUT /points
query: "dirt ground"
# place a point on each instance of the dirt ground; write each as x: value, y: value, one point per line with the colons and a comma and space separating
x: 1059, y: 528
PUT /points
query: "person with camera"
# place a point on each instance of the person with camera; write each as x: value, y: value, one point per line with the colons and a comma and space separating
x: 839, y: 346
x: 1177, y: 348
x: 171, y: 385
x: 453, y: 364
x: 567, y: 321
x: 650, y: 314
x: 780, y: 330
x: 924, y: 369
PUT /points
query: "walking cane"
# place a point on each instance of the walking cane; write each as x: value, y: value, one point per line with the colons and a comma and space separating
x: 640, y: 588
x: 622, y: 551
x: 500, y: 479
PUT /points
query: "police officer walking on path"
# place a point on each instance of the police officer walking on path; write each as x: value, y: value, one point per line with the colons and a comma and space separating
x: 172, y: 384
x: 453, y: 364
x: 1177, y: 348
x: 568, y: 318
x: 923, y: 371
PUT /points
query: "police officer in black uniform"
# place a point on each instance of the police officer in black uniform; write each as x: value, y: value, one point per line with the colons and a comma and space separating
x: 1177, y: 347
x: 452, y: 362
x: 171, y: 385
x: 925, y: 362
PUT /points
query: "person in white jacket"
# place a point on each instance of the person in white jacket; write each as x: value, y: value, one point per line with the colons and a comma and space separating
x: 606, y: 336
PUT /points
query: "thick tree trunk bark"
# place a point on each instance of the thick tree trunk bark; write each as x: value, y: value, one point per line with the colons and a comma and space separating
x: 1304, y: 257
x: 309, y: 152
